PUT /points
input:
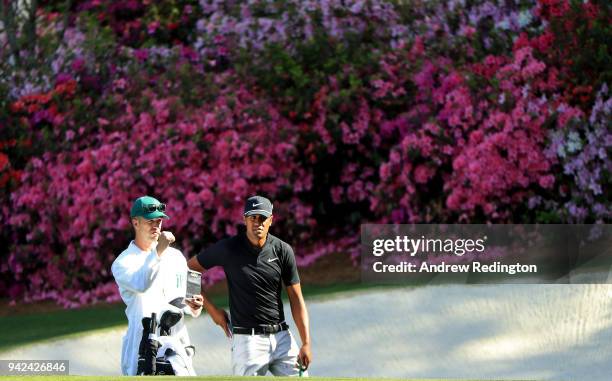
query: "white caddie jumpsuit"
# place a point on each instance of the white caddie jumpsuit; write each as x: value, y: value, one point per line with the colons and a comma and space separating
x: 146, y: 284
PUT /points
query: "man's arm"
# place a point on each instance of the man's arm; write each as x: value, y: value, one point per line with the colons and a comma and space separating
x: 133, y: 275
x: 138, y: 278
x: 195, y: 265
x: 300, y: 316
x: 219, y: 316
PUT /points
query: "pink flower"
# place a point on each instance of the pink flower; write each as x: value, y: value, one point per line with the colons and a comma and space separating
x: 422, y: 174
x: 547, y: 181
x: 468, y: 31
x: 152, y: 27
x: 336, y: 193
x: 141, y: 54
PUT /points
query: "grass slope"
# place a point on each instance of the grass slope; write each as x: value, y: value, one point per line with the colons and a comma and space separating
x: 23, y: 329
x: 28, y: 328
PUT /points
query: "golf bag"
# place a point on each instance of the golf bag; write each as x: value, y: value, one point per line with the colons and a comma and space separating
x: 163, y: 354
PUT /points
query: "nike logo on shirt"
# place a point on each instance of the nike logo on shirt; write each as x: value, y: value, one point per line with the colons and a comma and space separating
x: 272, y: 259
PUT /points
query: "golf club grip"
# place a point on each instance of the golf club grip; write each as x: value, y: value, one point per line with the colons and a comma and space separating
x: 153, y: 326
x: 151, y: 348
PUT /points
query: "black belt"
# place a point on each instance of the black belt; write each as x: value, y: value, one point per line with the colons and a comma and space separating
x: 264, y: 329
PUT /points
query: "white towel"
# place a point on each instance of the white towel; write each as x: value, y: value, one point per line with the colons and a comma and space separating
x: 180, y: 360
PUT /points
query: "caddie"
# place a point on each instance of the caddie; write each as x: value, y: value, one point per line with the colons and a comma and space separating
x: 257, y: 265
x: 150, y: 274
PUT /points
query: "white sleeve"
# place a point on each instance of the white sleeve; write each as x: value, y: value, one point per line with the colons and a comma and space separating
x: 133, y: 276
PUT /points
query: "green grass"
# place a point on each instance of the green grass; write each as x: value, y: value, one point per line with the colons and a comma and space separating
x: 23, y: 329
x: 18, y: 330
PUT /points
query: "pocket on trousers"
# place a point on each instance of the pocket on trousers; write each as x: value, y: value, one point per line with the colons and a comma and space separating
x: 237, y: 344
x: 294, y: 348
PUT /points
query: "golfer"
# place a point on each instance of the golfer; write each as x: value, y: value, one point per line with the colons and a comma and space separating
x: 150, y: 274
x: 256, y: 265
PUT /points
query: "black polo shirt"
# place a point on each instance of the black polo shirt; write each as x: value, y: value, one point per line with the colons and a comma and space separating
x: 254, y: 277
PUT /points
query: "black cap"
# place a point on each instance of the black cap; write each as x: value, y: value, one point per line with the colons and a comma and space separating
x: 258, y: 205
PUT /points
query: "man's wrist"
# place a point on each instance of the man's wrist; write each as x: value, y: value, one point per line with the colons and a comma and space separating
x: 196, y: 311
x: 194, y: 307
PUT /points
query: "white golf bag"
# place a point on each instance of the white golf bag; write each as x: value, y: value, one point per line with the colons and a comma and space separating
x: 161, y: 352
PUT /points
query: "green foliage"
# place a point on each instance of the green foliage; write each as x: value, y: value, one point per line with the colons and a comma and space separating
x: 294, y: 78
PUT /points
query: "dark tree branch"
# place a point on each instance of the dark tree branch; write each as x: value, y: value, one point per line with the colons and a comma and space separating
x: 9, y: 19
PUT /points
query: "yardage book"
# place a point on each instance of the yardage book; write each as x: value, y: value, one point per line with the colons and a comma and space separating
x: 194, y: 284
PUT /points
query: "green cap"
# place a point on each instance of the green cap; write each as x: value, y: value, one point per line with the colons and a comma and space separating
x: 148, y: 208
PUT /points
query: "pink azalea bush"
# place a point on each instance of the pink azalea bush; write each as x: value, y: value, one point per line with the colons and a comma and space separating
x: 342, y: 112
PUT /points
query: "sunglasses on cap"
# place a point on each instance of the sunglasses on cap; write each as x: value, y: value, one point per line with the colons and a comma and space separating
x: 149, y: 208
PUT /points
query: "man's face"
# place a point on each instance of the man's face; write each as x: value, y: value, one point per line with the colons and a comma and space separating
x: 257, y: 226
x: 147, y: 229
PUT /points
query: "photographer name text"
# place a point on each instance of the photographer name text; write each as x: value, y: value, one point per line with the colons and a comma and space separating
x: 474, y: 267
x: 421, y: 247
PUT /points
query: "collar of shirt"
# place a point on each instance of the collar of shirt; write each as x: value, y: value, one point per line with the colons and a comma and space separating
x: 252, y: 248
x: 135, y: 249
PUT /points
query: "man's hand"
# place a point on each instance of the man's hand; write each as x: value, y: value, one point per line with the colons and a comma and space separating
x: 195, y: 304
x: 220, y: 317
x: 305, y: 356
x: 165, y: 239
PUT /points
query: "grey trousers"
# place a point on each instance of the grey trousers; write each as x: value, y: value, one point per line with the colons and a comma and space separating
x: 255, y: 355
